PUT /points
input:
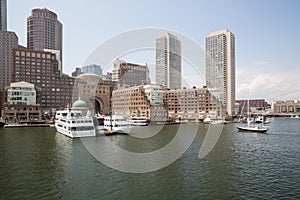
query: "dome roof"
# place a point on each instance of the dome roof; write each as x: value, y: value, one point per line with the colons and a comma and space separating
x: 79, y: 104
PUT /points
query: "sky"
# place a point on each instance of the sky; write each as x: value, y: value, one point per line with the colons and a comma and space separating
x: 267, y: 35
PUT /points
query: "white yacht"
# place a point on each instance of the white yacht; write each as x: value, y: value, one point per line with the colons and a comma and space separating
x: 214, y: 121
x: 138, y: 121
x: 116, y: 124
x: 74, y: 123
x: 251, y: 127
x: 261, y: 119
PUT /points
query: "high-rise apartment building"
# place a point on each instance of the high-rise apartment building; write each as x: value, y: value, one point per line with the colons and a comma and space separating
x: 44, y: 31
x: 220, y: 67
x: 3, y: 15
x: 8, y: 41
x: 168, y: 61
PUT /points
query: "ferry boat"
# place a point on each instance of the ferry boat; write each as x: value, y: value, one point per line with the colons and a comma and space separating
x: 138, y: 121
x: 72, y: 123
x: 116, y: 124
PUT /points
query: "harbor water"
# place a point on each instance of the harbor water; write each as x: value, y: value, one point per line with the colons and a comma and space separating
x: 38, y: 163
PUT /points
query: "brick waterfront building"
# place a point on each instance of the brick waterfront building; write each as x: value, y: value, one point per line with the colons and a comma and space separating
x: 42, y: 69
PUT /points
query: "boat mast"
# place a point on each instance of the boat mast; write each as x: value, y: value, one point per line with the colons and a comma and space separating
x: 248, y: 112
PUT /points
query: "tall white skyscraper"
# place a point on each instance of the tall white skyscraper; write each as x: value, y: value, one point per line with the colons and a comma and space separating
x: 220, y: 67
x: 168, y: 61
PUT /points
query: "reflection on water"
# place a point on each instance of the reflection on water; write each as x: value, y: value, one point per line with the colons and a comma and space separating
x: 39, y: 163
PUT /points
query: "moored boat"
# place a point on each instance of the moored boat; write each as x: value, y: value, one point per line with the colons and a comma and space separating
x: 13, y: 125
x: 116, y: 124
x: 138, y: 121
x: 253, y: 127
x: 73, y: 123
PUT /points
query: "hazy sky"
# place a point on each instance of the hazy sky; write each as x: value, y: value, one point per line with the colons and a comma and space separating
x: 267, y: 34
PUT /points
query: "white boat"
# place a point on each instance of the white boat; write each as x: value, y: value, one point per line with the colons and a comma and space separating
x: 72, y: 124
x: 260, y: 119
x: 214, y: 121
x: 100, y: 122
x: 12, y: 125
x: 253, y: 127
x: 207, y: 120
x: 138, y: 121
x: 116, y: 124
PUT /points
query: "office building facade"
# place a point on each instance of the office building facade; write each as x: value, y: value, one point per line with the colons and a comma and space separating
x: 168, y: 61
x: 192, y: 103
x: 44, y: 31
x: 140, y: 101
x: 92, y: 69
x: 22, y: 102
x: 220, y: 67
x: 3, y: 15
x: 8, y: 41
x: 42, y: 69
x: 129, y: 74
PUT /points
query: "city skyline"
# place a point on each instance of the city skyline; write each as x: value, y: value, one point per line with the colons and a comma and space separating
x: 265, y: 68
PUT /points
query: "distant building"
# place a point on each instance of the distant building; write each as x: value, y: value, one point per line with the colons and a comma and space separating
x: 93, y: 69
x: 77, y: 72
x: 44, y: 31
x: 3, y: 15
x: 8, y: 41
x: 42, y: 69
x: 129, y: 74
x: 21, y: 93
x: 192, y: 103
x: 286, y: 107
x: 220, y: 67
x: 168, y: 61
x: 161, y: 104
x: 21, y: 102
x: 140, y: 101
x: 94, y: 90
x: 257, y: 104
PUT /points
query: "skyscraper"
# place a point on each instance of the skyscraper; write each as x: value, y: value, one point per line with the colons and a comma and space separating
x: 44, y: 31
x: 220, y: 67
x: 3, y: 15
x: 168, y: 61
x: 8, y: 41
